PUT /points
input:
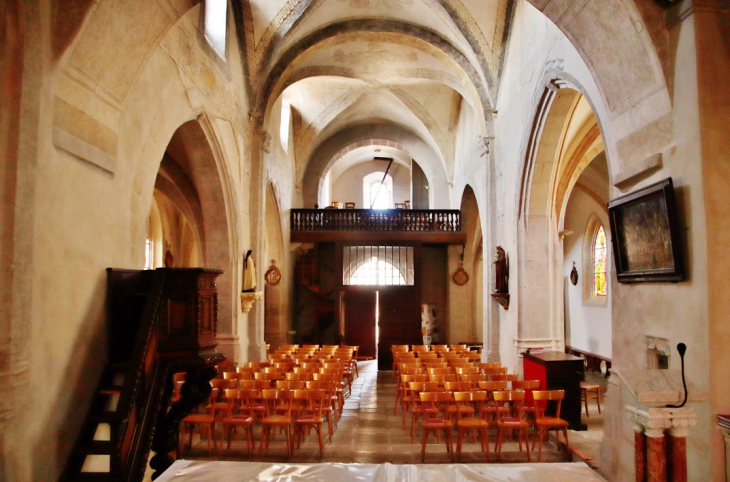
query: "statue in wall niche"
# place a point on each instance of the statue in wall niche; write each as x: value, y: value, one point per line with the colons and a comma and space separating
x: 249, y: 273
x: 501, y: 271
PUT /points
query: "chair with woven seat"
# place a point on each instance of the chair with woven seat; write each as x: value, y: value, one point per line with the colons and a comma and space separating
x: 241, y: 403
x: 311, y: 402
x: 274, y: 398
x: 474, y: 401
x: 589, y: 391
x: 547, y: 423
x: 205, y: 420
x: 431, y: 421
x: 511, y: 421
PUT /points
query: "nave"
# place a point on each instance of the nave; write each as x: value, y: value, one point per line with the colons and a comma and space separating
x: 369, y: 432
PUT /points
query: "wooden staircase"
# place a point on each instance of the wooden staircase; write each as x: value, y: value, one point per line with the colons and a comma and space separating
x: 154, y: 331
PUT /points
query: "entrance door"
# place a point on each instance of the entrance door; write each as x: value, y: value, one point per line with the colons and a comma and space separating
x: 399, y: 322
x: 360, y: 321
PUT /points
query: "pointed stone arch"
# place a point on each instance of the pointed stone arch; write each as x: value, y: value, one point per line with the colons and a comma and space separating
x: 197, y: 183
x: 547, y: 176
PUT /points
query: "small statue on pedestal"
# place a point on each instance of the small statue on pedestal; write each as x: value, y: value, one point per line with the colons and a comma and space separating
x: 249, y: 273
x: 501, y: 271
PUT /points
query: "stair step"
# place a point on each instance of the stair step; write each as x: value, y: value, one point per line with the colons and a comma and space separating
x: 102, y: 447
x: 111, y: 390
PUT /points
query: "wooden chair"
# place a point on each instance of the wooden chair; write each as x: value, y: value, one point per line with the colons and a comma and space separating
x: 527, y: 386
x: 349, y: 205
x: 274, y: 398
x: 441, y: 379
x: 330, y: 409
x: 337, y: 379
x: 257, y: 365
x: 312, y: 403
x: 400, y: 205
x: 431, y: 422
x: 547, y: 423
x: 400, y: 391
x: 590, y: 391
x: 240, y: 414
x: 491, y: 371
x: 247, y: 372
x: 466, y: 370
x: 205, y: 420
x: 300, y: 377
x: 475, y: 401
x: 407, y: 204
x: 409, y: 397
x: 270, y: 377
x: 473, y: 379
x: 491, y: 408
x: 459, y: 410
x: 508, y: 377
x: 413, y: 395
x: 489, y: 365
x: 511, y: 421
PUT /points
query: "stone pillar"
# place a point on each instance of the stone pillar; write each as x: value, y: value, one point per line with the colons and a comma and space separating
x: 656, y: 456
x: 654, y: 421
x: 639, y: 453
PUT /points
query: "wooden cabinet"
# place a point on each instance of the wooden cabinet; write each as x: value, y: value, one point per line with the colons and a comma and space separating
x: 559, y: 371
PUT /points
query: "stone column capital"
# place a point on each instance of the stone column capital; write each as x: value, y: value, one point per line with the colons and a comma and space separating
x: 655, y: 420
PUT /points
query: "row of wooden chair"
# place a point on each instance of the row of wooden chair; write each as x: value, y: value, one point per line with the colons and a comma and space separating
x: 470, y: 411
x: 273, y: 408
x: 329, y: 375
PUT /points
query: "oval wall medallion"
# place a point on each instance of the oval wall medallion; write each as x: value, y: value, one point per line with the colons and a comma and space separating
x: 460, y: 276
x: 574, y: 275
x: 272, y: 275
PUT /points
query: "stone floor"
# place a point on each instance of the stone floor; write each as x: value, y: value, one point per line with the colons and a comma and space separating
x: 369, y: 432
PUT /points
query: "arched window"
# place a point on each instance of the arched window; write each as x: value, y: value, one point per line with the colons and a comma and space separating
x: 148, y: 254
x: 599, y: 262
x: 216, y: 20
x: 377, y: 272
x: 376, y: 192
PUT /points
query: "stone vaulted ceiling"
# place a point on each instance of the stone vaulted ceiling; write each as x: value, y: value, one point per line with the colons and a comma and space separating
x: 344, y: 63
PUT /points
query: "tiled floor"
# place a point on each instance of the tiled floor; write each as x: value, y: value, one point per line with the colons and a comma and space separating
x: 369, y: 432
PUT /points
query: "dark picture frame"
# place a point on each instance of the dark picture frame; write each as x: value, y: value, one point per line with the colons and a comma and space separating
x: 645, y: 235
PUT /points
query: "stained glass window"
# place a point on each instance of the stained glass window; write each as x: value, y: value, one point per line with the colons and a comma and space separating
x: 599, y: 262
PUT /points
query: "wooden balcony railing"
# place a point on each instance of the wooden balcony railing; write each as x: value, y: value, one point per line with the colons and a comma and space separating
x: 395, y: 220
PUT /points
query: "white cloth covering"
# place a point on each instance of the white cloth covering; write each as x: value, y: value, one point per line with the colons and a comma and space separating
x: 200, y: 471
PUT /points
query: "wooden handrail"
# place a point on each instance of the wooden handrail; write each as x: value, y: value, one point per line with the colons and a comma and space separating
x: 404, y: 220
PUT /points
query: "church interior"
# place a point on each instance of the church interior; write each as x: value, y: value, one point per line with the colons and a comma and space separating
x: 537, y: 176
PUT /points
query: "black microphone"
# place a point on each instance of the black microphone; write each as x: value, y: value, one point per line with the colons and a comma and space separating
x: 681, y: 348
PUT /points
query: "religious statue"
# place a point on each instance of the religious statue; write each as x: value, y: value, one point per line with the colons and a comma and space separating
x: 249, y: 273
x: 501, y: 271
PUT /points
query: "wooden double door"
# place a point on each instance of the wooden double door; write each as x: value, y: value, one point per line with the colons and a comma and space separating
x: 397, y: 310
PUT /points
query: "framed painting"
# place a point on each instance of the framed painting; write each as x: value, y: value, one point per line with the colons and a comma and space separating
x: 645, y: 235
